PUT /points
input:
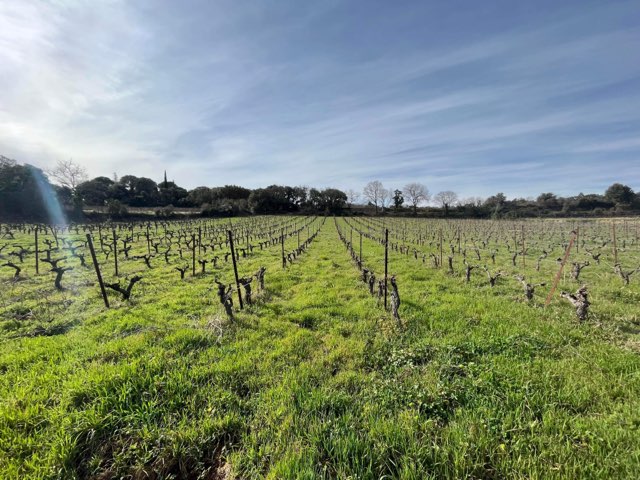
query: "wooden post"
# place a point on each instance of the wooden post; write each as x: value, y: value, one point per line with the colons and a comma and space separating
x: 360, y: 246
x: 97, y: 267
x: 298, y: 238
x: 523, y: 249
x: 564, y: 260
x: 440, y: 247
x: 37, y: 253
x: 235, y: 268
x: 284, y: 260
x: 615, y: 245
x: 193, y: 253
x: 199, y: 240
x: 148, y: 241
x: 115, y: 250
x: 386, y: 264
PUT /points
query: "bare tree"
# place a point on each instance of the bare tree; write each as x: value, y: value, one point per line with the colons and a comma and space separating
x: 446, y: 199
x: 375, y: 192
x: 387, y: 198
x: 68, y: 174
x: 416, y: 193
x: 352, y: 196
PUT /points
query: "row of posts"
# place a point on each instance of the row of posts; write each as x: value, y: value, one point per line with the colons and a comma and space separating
x: 574, y: 240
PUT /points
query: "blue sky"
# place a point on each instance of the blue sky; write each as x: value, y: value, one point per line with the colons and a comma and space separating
x: 474, y: 97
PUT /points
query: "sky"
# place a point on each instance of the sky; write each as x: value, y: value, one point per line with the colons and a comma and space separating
x: 477, y: 97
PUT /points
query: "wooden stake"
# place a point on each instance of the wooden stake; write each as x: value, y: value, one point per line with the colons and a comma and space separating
x: 284, y: 260
x: 148, y: 241
x: 523, y: 249
x: 615, y: 246
x: 193, y: 253
x: 564, y: 260
x: 97, y: 267
x: 386, y: 264
x: 440, y: 247
x: 115, y: 250
x: 235, y: 268
x: 37, y: 253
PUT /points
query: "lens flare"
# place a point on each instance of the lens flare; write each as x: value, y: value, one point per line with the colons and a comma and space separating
x: 49, y: 198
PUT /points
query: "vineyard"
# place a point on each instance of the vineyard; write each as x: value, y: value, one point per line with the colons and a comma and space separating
x: 319, y: 347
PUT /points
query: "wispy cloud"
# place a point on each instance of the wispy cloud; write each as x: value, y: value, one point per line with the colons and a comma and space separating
x: 326, y: 94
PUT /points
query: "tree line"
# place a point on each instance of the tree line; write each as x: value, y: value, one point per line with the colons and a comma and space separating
x: 24, y: 194
x: 27, y: 191
x: 414, y: 198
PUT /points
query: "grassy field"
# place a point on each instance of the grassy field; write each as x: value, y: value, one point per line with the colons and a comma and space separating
x: 316, y: 379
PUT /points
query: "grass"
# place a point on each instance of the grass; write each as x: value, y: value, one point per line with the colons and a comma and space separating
x: 315, y: 380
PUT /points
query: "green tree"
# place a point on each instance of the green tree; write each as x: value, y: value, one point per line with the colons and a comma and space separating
x: 170, y: 194
x: 334, y: 200
x: 398, y: 199
x: 139, y: 191
x: 20, y: 195
x: 95, y: 191
x: 116, y: 209
x: 231, y: 192
x: 619, y: 194
x: 548, y: 200
x: 199, y: 196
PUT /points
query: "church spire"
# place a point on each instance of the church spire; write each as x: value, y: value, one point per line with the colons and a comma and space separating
x: 165, y: 180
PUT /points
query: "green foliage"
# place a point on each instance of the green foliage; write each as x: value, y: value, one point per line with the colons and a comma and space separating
x: 398, y: 199
x: 165, y: 212
x: 330, y: 200
x: 231, y: 192
x: 170, y: 194
x: 200, y: 196
x: 116, y: 209
x: 96, y: 191
x: 21, y: 192
x: 17, y: 191
x: 619, y: 193
x: 277, y: 199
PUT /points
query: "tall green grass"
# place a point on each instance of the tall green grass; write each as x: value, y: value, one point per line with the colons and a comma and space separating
x: 316, y: 381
